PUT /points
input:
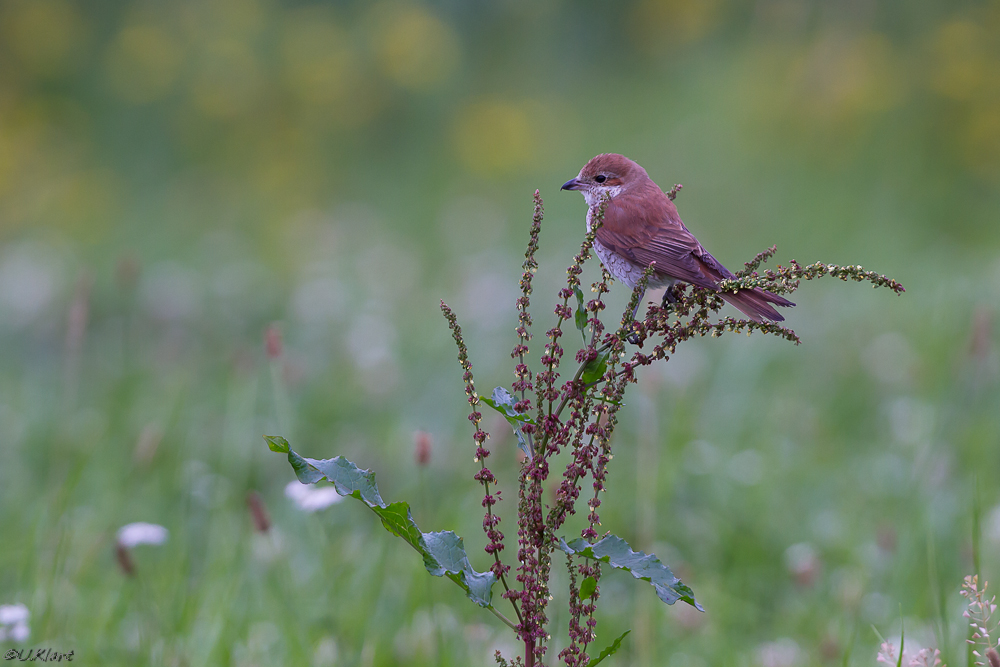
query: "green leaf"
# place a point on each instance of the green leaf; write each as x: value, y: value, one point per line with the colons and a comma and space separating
x: 448, y: 557
x: 277, y: 444
x: 503, y: 402
x: 443, y: 553
x: 595, y: 368
x: 588, y: 587
x: 611, y: 650
x: 581, y: 312
x: 616, y: 552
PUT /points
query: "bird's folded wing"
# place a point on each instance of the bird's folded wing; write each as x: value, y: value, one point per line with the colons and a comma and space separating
x: 658, y: 235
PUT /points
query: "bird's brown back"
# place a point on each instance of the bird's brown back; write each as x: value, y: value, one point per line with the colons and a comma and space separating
x: 642, y: 224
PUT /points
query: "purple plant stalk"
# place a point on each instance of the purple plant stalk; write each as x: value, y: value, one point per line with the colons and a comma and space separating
x: 598, y: 452
x: 592, y: 405
x: 535, y: 538
x: 536, y: 533
x: 490, y: 520
x: 523, y: 382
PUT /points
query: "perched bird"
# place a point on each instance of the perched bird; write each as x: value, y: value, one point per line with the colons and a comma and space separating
x: 641, y: 225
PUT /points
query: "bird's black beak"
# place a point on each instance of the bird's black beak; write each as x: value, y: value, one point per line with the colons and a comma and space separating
x: 572, y: 184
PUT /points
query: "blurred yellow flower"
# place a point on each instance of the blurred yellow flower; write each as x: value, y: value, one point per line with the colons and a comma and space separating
x: 18, y: 141
x: 499, y: 136
x: 222, y: 19
x: 228, y: 80
x: 981, y: 141
x: 843, y: 77
x: 316, y: 55
x: 413, y: 47
x: 286, y: 165
x: 44, y: 35
x: 962, y: 65
x: 494, y: 137
x: 142, y: 63
x: 323, y: 69
x: 965, y: 56
x: 84, y: 203
x: 822, y: 97
x: 657, y: 25
x: 41, y: 146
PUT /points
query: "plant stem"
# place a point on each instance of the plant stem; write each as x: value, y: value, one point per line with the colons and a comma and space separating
x: 513, y: 602
x: 509, y: 623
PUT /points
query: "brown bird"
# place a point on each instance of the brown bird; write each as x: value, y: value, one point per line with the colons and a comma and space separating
x: 641, y: 225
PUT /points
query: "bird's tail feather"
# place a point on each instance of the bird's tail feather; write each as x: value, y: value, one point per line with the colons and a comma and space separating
x: 756, y: 304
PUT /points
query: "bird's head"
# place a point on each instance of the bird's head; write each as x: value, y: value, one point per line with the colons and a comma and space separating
x: 607, y: 174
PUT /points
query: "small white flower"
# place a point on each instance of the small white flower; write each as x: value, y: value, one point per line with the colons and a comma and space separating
x: 20, y: 632
x: 311, y: 498
x: 13, y: 613
x: 134, y: 534
x: 14, y: 622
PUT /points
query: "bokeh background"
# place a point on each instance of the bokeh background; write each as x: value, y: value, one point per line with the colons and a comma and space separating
x: 177, y: 179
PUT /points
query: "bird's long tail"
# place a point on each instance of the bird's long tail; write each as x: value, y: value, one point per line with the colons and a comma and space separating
x: 756, y: 304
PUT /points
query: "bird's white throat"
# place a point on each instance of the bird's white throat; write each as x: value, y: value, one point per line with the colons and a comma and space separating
x: 593, y: 195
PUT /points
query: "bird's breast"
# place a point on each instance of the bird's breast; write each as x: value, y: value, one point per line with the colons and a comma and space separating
x: 627, y: 271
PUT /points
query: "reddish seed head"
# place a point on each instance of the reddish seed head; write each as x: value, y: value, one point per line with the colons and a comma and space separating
x: 261, y: 519
x: 979, y: 346
x: 422, y: 447
x: 124, y: 559
x: 272, y: 342
x: 127, y: 272
x: 79, y: 309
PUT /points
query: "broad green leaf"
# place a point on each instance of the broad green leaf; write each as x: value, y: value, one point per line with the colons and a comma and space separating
x: 616, y: 552
x: 443, y: 553
x: 503, y: 402
x: 588, y: 587
x: 449, y: 558
x: 611, y: 650
x: 397, y: 520
x: 595, y: 368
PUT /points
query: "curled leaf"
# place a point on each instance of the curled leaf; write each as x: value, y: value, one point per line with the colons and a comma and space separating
x: 616, y: 552
x: 503, y: 402
x: 443, y: 553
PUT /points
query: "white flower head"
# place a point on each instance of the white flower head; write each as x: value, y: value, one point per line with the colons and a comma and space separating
x: 311, y: 498
x: 134, y: 534
x: 14, y: 622
x: 13, y: 613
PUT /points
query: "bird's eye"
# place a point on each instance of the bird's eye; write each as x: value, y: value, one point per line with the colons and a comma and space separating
x: 600, y: 178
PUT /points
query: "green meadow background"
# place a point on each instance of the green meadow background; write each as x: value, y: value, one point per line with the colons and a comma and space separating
x: 177, y: 177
